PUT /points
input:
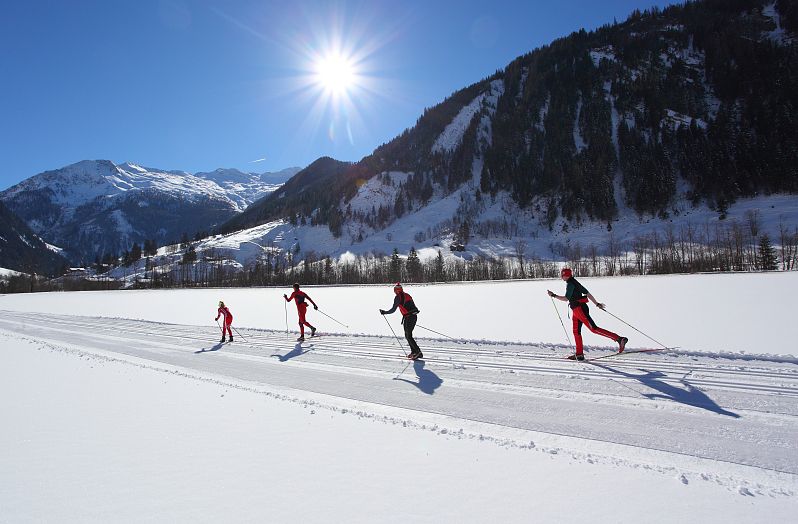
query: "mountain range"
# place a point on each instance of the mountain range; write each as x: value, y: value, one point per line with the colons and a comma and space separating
x: 677, y: 114
x: 95, y: 207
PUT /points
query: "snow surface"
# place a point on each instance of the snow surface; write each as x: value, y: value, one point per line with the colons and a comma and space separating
x: 452, y: 135
x: 54, y: 249
x: 126, y: 419
x: 603, y: 53
x: 374, y: 193
x: 5, y: 273
x: 675, y: 120
x: 699, y: 313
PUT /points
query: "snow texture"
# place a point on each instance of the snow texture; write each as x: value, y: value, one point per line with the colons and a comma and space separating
x: 602, y: 53
x: 267, y: 429
x: 452, y: 135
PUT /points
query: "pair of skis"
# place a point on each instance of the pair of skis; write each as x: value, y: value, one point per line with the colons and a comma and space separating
x: 626, y: 352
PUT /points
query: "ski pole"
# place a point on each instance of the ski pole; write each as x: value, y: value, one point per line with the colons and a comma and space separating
x: 394, y: 334
x: 238, y: 333
x: 285, y: 307
x: 631, y: 326
x: 561, y: 322
x: 438, y: 333
x: 220, y: 327
x: 331, y: 318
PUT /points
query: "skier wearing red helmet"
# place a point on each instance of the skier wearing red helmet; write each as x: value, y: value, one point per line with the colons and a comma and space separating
x: 409, y: 312
x: 577, y: 297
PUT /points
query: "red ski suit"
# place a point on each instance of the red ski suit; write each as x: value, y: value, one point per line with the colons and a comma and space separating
x: 577, y: 300
x: 301, y: 308
x: 228, y: 319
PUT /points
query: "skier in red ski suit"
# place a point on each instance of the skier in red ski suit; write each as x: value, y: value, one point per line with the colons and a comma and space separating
x: 227, y: 321
x: 301, y: 308
x: 577, y: 297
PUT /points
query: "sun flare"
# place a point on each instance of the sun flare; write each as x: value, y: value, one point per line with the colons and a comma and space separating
x: 335, y: 73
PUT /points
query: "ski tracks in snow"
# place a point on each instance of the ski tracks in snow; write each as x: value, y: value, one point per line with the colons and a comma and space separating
x: 712, y: 418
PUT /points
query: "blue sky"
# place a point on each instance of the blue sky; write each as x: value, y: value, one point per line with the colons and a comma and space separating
x: 196, y: 85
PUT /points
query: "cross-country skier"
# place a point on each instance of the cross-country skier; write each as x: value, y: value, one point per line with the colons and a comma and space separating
x: 577, y: 297
x: 409, y: 318
x: 301, y: 308
x: 227, y: 321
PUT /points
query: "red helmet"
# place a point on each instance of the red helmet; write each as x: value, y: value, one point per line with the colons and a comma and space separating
x: 397, y: 286
x: 566, y: 272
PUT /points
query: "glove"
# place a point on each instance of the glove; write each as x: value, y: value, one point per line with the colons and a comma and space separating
x: 285, y: 297
x: 382, y: 312
x: 315, y: 306
x: 601, y: 306
x: 551, y: 294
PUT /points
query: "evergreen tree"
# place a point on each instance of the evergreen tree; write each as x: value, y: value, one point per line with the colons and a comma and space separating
x: 399, y: 207
x: 413, y: 264
x: 135, y: 252
x: 396, y: 266
x: 767, y: 254
x: 439, y: 268
x: 190, y: 255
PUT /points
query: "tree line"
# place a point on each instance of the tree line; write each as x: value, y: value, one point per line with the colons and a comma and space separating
x: 719, y: 247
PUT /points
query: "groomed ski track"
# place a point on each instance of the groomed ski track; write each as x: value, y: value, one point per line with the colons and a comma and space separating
x: 732, y: 421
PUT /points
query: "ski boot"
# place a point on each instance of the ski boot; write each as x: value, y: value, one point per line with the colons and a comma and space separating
x: 579, y: 356
x: 312, y: 332
x: 622, y: 344
x: 221, y: 340
x: 301, y: 339
x: 230, y: 339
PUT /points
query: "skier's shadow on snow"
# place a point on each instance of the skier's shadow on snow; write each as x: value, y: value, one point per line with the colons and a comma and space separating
x: 298, y: 350
x: 217, y: 347
x: 427, y: 382
x: 690, y: 395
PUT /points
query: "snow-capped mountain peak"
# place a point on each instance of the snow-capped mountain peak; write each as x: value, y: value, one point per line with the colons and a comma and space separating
x: 95, y: 206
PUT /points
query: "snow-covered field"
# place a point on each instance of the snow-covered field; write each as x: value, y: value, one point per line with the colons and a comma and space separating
x: 715, y: 313
x: 123, y: 406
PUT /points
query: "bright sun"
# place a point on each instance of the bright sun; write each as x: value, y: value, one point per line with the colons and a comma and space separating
x: 335, y: 73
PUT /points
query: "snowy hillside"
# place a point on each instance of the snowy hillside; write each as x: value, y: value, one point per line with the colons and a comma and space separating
x: 95, y: 207
x: 599, y: 137
x: 433, y: 228
x: 489, y: 431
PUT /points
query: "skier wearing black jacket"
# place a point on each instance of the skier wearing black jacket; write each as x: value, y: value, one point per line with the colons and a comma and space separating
x: 409, y: 312
x: 577, y: 297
